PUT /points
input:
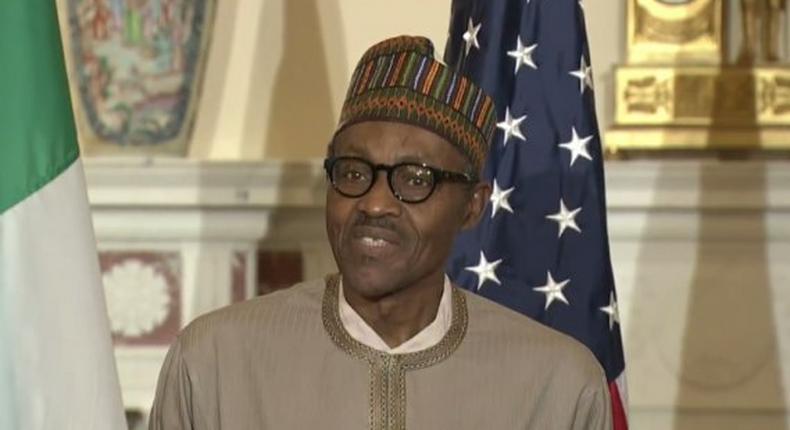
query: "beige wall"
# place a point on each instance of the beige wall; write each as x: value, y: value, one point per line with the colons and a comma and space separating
x: 277, y: 69
x: 606, y: 32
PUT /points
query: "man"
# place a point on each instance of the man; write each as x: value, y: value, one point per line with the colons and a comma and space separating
x: 388, y: 343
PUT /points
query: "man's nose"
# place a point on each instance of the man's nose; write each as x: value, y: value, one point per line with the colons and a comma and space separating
x: 379, y: 200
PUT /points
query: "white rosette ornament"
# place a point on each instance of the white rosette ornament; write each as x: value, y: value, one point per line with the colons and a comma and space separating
x: 137, y: 298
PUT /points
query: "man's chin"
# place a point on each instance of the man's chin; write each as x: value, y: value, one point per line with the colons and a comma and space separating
x: 370, y: 284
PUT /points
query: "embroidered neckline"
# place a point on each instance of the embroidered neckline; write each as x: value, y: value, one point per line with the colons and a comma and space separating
x: 387, y: 400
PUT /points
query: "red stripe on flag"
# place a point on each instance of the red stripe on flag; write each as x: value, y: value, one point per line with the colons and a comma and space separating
x: 619, y: 420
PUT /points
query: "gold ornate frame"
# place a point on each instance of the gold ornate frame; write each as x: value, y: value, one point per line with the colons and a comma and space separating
x: 660, y: 31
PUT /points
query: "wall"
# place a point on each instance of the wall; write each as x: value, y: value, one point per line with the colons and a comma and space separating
x: 699, y: 250
x: 277, y: 69
x: 704, y: 353
x: 606, y: 31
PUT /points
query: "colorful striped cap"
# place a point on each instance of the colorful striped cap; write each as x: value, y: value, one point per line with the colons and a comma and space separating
x: 399, y: 80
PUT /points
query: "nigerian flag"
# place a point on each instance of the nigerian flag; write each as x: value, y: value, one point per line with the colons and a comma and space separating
x: 56, y: 364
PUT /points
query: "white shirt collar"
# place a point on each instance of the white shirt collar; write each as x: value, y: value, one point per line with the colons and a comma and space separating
x: 426, y: 338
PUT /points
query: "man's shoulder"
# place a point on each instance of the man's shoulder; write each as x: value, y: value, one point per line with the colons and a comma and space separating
x: 526, y: 339
x: 273, y: 312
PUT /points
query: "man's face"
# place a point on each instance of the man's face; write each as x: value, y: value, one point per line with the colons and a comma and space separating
x: 383, y: 245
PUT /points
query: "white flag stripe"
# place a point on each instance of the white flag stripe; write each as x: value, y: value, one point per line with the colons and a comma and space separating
x: 55, y: 347
x: 622, y: 386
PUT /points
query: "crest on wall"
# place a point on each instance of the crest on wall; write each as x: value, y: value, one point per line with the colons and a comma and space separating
x: 137, y: 65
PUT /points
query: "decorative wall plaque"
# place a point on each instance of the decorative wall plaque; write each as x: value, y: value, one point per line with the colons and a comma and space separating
x: 137, y: 67
x: 679, y: 92
x: 671, y: 31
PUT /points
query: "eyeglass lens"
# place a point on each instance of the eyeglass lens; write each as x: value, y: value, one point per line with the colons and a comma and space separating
x: 409, y: 182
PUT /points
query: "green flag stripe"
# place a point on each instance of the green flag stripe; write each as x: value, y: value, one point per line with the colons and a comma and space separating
x: 37, y: 135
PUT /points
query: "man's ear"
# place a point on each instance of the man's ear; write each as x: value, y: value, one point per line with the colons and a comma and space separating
x: 476, y: 206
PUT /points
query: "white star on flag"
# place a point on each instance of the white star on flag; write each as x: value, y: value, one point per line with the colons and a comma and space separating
x: 565, y: 218
x: 536, y: 52
x: 523, y: 54
x: 499, y: 199
x: 485, y: 270
x: 612, y: 310
x: 511, y: 126
x: 470, y: 37
x: 553, y: 290
x: 577, y: 146
x: 584, y: 75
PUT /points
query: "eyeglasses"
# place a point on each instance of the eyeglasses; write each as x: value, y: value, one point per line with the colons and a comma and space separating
x: 409, y: 182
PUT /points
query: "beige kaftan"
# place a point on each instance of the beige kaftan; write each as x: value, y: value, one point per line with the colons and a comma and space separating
x: 285, y: 361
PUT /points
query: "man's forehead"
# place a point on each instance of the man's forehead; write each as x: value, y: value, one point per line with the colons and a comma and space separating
x: 390, y: 132
x: 390, y: 136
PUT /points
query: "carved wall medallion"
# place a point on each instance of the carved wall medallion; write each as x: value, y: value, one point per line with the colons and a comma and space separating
x: 143, y: 293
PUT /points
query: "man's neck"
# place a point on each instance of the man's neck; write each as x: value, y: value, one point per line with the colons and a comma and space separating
x: 398, y: 317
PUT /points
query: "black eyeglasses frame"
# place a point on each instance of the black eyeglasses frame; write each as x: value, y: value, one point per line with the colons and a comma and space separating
x: 439, y: 175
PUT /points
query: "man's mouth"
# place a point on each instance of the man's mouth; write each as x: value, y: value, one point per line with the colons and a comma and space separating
x: 375, y: 235
x: 374, y: 242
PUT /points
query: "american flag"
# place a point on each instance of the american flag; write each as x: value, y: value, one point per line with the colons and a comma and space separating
x: 542, y: 247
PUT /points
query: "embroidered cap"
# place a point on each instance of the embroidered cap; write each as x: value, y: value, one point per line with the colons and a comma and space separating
x: 399, y: 80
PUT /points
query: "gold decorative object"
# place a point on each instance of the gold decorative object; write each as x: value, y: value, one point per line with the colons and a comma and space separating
x: 677, y: 92
x: 670, y: 31
x: 765, y: 16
